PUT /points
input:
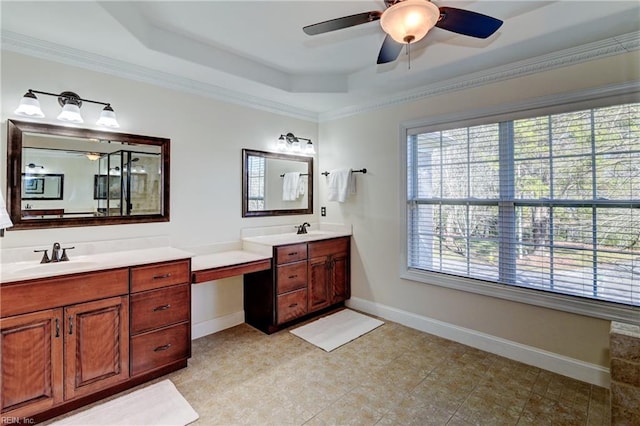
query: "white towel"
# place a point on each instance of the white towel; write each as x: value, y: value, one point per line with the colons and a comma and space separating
x: 342, y: 184
x: 290, y: 186
x: 5, y: 219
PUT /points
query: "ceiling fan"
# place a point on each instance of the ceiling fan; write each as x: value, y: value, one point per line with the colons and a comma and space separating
x: 408, y: 21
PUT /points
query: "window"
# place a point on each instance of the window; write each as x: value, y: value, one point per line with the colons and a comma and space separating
x: 550, y: 202
x: 256, y: 173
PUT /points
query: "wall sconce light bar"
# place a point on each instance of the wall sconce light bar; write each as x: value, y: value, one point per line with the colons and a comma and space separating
x: 291, y: 142
x: 70, y: 103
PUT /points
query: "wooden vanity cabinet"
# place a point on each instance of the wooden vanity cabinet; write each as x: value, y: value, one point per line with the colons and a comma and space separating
x: 32, y: 362
x: 96, y: 345
x: 306, y: 278
x: 70, y: 346
x: 329, y: 272
x: 87, y: 336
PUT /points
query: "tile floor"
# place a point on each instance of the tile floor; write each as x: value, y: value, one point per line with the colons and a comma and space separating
x: 393, y: 375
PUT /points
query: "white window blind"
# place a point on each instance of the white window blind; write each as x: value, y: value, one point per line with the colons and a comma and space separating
x: 549, y: 202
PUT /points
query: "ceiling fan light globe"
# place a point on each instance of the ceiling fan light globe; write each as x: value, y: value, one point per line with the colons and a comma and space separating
x: 410, y: 20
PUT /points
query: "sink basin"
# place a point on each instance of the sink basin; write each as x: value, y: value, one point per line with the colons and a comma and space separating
x: 54, y: 267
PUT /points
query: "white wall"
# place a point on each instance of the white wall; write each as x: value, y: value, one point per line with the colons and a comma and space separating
x: 207, y: 137
x: 371, y: 140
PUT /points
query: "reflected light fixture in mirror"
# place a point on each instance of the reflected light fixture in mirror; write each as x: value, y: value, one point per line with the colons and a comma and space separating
x: 34, y: 168
x: 70, y: 103
x: 291, y: 143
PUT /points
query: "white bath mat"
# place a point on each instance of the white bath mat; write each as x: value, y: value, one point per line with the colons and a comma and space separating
x: 335, y: 330
x: 155, y: 405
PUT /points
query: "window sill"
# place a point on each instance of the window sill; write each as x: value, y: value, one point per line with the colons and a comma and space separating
x: 560, y: 302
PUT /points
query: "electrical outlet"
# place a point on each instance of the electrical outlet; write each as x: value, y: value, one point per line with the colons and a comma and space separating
x: 323, y: 211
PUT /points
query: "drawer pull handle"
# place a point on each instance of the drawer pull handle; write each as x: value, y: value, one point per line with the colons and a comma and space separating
x: 57, y: 327
x: 293, y: 305
x: 292, y: 276
x: 162, y: 348
x: 293, y: 253
x: 70, y: 324
x: 160, y: 277
x: 161, y: 308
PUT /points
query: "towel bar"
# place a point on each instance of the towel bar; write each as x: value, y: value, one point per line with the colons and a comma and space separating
x: 301, y: 174
x: 353, y: 171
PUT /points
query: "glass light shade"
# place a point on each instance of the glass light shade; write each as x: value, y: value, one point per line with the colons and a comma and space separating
x: 29, y: 106
x: 93, y: 156
x: 295, y: 146
x: 309, y: 149
x: 410, y: 20
x: 71, y: 113
x: 108, y: 118
x: 281, y: 144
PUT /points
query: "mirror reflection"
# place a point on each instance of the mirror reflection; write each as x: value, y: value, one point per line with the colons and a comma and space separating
x: 276, y: 184
x: 73, y: 177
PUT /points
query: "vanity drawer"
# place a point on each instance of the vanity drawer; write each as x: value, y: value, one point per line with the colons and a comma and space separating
x: 292, y: 305
x: 291, y: 277
x: 158, y: 348
x: 158, y: 308
x: 52, y: 292
x: 291, y: 253
x: 329, y: 247
x: 160, y: 275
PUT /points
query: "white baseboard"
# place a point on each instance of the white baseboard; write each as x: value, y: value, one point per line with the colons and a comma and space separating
x: 204, y: 328
x: 560, y: 364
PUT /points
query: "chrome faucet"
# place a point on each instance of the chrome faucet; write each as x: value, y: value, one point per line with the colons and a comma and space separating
x: 55, y: 252
x: 56, y: 256
x: 302, y: 229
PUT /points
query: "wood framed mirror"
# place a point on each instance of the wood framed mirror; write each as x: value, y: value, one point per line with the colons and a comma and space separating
x: 264, y: 189
x: 53, y: 173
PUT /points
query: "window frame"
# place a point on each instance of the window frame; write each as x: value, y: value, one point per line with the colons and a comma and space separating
x: 560, y: 103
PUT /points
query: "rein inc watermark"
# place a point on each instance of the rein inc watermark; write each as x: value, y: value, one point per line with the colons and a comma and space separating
x: 11, y: 420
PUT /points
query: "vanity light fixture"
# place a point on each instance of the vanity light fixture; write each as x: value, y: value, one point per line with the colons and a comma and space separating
x: 34, y: 166
x: 291, y: 143
x: 70, y: 103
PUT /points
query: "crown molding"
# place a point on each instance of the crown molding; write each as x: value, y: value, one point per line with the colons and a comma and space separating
x: 42, y: 49
x: 588, y: 52
x: 29, y: 46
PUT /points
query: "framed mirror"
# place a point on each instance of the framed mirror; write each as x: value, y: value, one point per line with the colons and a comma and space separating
x: 61, y: 176
x: 275, y: 184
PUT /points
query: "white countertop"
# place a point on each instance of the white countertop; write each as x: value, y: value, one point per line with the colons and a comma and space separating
x: 256, y: 244
x: 18, y: 271
x: 226, y: 258
x: 264, y: 243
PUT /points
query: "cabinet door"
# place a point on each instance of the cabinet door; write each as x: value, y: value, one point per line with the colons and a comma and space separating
x: 96, y: 350
x: 319, y: 296
x: 31, y: 348
x: 340, y: 287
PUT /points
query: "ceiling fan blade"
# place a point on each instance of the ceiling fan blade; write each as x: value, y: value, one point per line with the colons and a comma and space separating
x: 340, y: 23
x: 389, y: 51
x: 468, y: 23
